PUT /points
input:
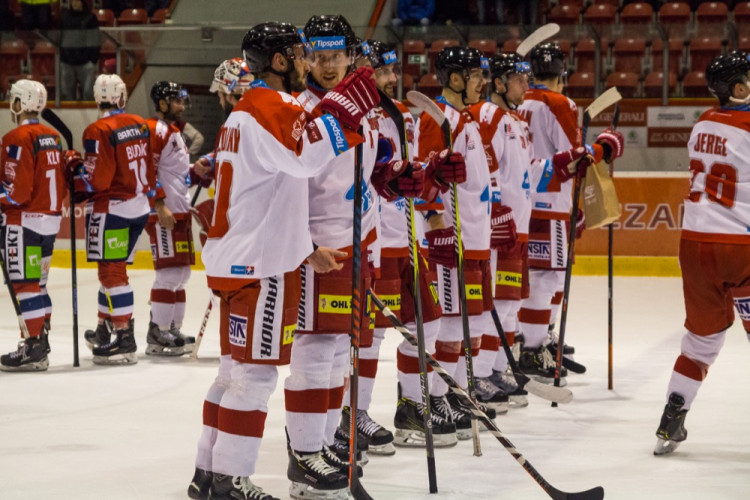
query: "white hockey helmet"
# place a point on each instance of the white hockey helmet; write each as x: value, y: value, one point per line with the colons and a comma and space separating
x: 232, y: 77
x: 110, y: 89
x: 31, y: 94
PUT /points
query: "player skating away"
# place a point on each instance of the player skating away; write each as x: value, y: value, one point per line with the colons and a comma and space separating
x: 117, y: 177
x: 553, y: 126
x: 259, y: 235
x: 460, y: 72
x: 33, y: 188
x: 715, y: 245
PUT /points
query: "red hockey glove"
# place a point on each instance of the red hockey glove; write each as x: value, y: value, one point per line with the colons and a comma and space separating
x: 398, y: 178
x: 613, y: 144
x: 580, y: 223
x: 568, y: 163
x: 203, y: 213
x: 441, y: 247
x: 504, y: 234
x: 353, y: 98
x: 75, y: 172
x: 443, y: 169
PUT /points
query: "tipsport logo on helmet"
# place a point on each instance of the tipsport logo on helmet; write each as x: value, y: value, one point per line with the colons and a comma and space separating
x: 523, y: 67
x: 328, y: 43
x: 390, y: 58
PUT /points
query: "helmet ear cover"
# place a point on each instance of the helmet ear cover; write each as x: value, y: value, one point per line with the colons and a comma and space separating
x: 726, y: 71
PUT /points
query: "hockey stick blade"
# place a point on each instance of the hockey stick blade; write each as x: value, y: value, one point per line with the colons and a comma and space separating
x: 573, y: 366
x: 607, y: 99
x: 592, y: 494
x: 538, y: 36
x: 431, y: 108
x: 58, y: 124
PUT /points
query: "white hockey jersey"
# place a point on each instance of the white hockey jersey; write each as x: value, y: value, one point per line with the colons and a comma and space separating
x: 718, y: 206
x: 172, y: 162
x: 332, y: 190
x: 265, y: 153
x: 553, y: 125
x: 474, y: 194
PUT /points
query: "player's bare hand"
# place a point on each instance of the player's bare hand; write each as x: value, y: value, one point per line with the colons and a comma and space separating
x: 202, y: 167
x: 166, y: 218
x: 323, y: 260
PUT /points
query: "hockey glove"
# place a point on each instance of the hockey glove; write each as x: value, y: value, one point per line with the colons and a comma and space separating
x: 203, y: 213
x: 441, y: 247
x: 571, y: 162
x: 504, y: 234
x: 443, y: 169
x: 398, y: 178
x: 75, y: 173
x: 353, y: 98
x: 613, y: 144
x: 580, y: 223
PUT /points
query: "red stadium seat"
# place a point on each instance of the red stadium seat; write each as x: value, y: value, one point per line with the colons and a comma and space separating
x: 676, y: 48
x: 437, y: 46
x: 628, y: 54
x: 105, y: 16
x: 694, y: 85
x: 489, y: 47
x: 159, y: 16
x: 743, y: 43
x: 428, y: 84
x: 415, y: 52
x: 586, y: 51
x: 600, y: 14
x: 511, y: 45
x: 581, y: 85
x: 564, y: 14
x: 43, y: 59
x: 573, y: 3
x: 742, y: 17
x: 674, y: 12
x: 626, y: 83
x: 407, y: 82
x: 132, y: 16
x: 637, y: 13
x: 712, y: 12
x: 652, y: 84
x: 703, y: 50
x: 13, y: 56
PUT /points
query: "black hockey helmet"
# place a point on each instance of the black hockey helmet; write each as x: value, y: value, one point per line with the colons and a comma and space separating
x: 547, y: 60
x: 266, y: 39
x: 456, y: 60
x: 166, y: 90
x: 726, y: 70
x: 381, y: 54
x: 504, y: 64
x: 328, y: 26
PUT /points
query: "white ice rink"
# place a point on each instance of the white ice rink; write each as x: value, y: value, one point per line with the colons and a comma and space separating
x: 130, y: 432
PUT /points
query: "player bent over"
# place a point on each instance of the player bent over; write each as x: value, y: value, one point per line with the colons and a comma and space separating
x: 117, y: 177
x: 714, y: 245
x: 33, y: 187
x: 259, y: 236
x: 171, y: 242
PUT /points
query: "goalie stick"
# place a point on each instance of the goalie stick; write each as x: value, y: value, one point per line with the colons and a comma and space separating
x: 607, y: 99
x: 58, y: 124
x: 538, y: 36
x: 433, y: 110
x: 596, y: 493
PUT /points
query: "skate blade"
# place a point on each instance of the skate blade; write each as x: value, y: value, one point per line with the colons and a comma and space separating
x: 518, y: 402
x: 189, y: 348
x: 415, y: 439
x: 157, y: 350
x: 500, y: 408
x: 39, y: 366
x: 116, y: 359
x: 383, y: 450
x: 464, y: 434
x: 665, y: 447
x: 550, y: 380
x: 302, y: 491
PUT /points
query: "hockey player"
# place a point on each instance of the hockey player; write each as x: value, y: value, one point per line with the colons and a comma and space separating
x: 553, y: 127
x: 714, y: 245
x: 460, y: 72
x: 33, y: 187
x: 117, y: 177
x: 171, y: 243
x: 258, y: 238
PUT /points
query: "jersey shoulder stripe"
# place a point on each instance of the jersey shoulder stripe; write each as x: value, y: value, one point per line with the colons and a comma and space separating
x: 278, y: 113
x: 733, y: 118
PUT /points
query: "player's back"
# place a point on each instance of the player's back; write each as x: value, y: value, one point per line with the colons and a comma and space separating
x: 172, y: 163
x: 718, y: 206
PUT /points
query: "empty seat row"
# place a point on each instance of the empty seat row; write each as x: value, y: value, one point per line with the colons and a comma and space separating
x: 128, y: 17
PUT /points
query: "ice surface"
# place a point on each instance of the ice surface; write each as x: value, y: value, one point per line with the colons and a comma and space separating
x: 130, y: 432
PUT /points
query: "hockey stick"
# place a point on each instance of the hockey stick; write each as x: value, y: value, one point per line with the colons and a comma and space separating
x: 355, y: 486
x: 596, y: 493
x: 538, y: 36
x: 607, y: 99
x: 14, y: 299
x: 398, y: 119
x: 610, y: 277
x: 194, y: 354
x: 544, y: 391
x: 56, y: 122
x: 428, y: 106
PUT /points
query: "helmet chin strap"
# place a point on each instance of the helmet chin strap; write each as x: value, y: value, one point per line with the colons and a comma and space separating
x: 504, y: 94
x: 285, y: 76
x: 461, y: 92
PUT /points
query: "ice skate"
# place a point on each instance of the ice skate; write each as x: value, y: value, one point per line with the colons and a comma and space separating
x: 671, y: 431
x: 337, y: 455
x: 120, y: 351
x: 343, y: 436
x: 539, y: 365
x: 30, y: 356
x: 507, y: 382
x: 235, y: 488
x: 568, y: 350
x: 441, y: 407
x: 188, y: 340
x: 163, y: 342
x: 200, y: 485
x: 491, y: 395
x: 340, y: 447
x: 379, y: 439
x: 100, y: 336
x: 409, y: 423
x: 464, y: 412
x: 313, y: 478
